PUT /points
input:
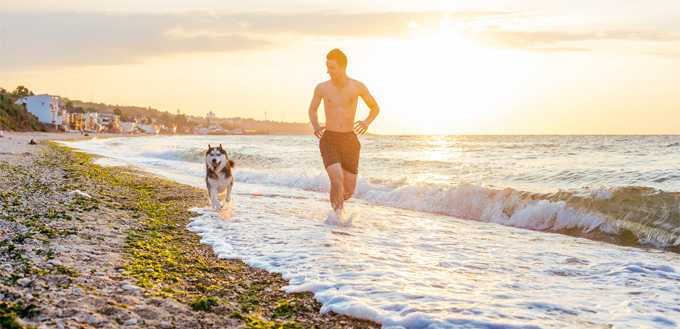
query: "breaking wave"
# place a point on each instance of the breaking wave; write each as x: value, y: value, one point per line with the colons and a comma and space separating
x: 622, y: 215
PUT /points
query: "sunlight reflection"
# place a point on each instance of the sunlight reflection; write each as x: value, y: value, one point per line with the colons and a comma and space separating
x: 441, y: 148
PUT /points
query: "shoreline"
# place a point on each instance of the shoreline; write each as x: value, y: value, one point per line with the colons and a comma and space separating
x: 119, y: 254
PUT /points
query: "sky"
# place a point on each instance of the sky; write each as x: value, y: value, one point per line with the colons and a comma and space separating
x: 434, y: 67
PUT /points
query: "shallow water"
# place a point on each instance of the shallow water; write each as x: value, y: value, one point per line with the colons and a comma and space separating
x: 446, y: 228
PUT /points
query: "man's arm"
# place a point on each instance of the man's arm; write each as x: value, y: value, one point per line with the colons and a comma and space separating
x: 360, y: 127
x: 313, y: 112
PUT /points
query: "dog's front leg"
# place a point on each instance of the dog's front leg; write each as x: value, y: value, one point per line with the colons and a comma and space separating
x: 213, y: 197
x: 231, y: 184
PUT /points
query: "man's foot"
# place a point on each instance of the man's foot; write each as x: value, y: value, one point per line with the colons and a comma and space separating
x: 339, y: 212
x: 335, y: 217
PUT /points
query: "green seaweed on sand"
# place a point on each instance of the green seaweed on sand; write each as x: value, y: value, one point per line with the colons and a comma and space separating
x: 256, y: 322
x: 9, y: 312
x: 203, y: 304
x: 70, y: 271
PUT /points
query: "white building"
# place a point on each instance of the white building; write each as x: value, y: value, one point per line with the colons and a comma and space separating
x: 148, y: 129
x: 210, y: 115
x: 45, y: 107
x: 128, y: 127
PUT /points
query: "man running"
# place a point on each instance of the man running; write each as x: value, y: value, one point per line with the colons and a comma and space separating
x: 338, y: 143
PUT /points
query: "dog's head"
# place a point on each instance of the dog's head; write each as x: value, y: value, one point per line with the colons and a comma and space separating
x: 216, y: 158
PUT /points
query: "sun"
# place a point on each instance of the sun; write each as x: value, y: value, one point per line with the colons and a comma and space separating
x: 441, y: 79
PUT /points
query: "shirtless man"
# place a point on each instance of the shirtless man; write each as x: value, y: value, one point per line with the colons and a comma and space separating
x: 338, y: 140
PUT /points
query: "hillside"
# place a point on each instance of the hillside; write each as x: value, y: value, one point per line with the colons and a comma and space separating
x: 126, y: 109
x: 16, y: 118
x: 270, y: 127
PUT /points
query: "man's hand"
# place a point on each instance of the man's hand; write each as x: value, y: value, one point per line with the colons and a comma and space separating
x: 318, y: 131
x: 360, y: 127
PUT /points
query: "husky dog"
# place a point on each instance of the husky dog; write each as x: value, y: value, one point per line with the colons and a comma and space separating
x: 218, y: 176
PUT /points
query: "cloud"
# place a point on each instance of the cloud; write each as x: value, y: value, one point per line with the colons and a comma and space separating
x: 90, y: 39
x: 333, y: 24
x: 68, y: 38
x: 546, y: 40
x: 671, y: 55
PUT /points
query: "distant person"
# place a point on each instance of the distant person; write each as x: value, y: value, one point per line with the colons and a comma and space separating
x: 1, y: 134
x: 338, y: 140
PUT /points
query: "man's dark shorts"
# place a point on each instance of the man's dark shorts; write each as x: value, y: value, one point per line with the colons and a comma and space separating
x: 342, y: 148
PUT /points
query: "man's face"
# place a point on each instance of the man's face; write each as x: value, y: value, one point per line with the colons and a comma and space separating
x: 333, y: 69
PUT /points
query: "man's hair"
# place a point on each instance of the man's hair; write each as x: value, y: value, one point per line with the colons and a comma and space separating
x: 338, y: 56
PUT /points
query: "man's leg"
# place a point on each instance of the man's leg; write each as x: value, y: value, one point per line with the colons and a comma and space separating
x: 349, y: 183
x: 335, y: 173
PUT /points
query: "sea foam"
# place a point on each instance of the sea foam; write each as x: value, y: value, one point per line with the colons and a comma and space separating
x: 409, y: 269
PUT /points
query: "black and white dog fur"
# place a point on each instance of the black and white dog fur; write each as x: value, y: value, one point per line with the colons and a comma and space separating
x: 218, y: 176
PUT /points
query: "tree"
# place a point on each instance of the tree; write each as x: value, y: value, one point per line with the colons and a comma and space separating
x: 181, y: 120
x: 118, y: 112
x: 227, y: 126
x: 21, y: 92
x: 165, y: 118
x: 69, y: 105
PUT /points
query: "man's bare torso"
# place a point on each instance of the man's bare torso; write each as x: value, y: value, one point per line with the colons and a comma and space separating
x: 340, y: 105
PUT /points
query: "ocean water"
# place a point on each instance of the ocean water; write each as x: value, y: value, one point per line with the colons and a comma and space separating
x: 451, y: 231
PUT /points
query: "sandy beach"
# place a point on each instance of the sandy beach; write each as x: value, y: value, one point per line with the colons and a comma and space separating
x: 88, y: 246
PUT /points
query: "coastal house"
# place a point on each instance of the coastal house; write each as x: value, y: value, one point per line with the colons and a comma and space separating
x: 138, y: 118
x: 111, y: 122
x: 148, y: 129
x: 72, y: 122
x: 128, y: 127
x: 91, y: 122
x: 100, y: 122
x: 45, y: 107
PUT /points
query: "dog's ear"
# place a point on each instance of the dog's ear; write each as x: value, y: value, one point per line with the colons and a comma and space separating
x: 209, y: 146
